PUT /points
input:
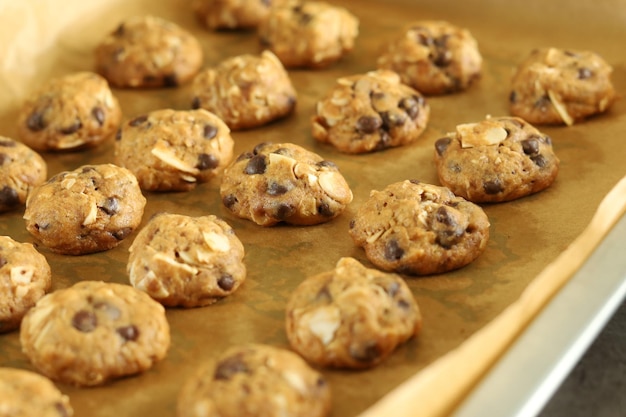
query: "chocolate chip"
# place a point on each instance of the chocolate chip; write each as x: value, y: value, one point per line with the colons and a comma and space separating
x: 352, y: 223
x: 542, y: 102
x: 442, y: 58
x: 328, y: 164
x: 42, y: 226
x: 403, y: 304
x: 111, y: 206
x: 207, y: 161
x: 530, y: 146
x: 196, y: 103
x: 384, y: 142
x: 7, y: 143
x: 226, y: 282
x: 85, y: 321
x: 229, y: 201
x: 258, y: 148
x: 138, y: 120
x: 3, y: 261
x: 284, y: 211
x: 72, y: 129
x: 584, y: 73
x: 98, y: 114
x: 442, y: 216
x: 324, y: 295
x: 391, y: 119
x: 209, y: 131
x: 170, y: 80
x: 9, y: 197
x: 442, y: 144
x: 275, y: 189
x: 128, y: 333
x: 493, y: 187
x: 35, y: 121
x: 244, y: 156
x: 368, y: 124
x: 118, y: 134
x: 230, y: 366
x: 422, y: 38
x: 547, y: 140
x: 367, y: 352
x: 414, y: 181
x: 539, y: 160
x: 393, y: 251
x: 325, y: 210
x: 120, y: 30
x: 256, y: 165
x: 122, y: 233
x: 513, y: 96
x: 411, y: 105
x: 111, y: 311
x: 446, y: 227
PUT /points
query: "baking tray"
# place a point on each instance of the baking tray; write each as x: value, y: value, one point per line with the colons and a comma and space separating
x: 526, y: 235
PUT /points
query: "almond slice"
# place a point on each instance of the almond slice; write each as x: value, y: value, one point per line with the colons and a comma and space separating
x: 166, y: 155
x: 560, y: 109
x: 483, y: 133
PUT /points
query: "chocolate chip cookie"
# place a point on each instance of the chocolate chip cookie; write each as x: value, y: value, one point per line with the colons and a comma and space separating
x: 174, y: 150
x: 72, y: 112
x: 418, y: 229
x: 434, y: 57
x: 245, y: 91
x: 232, y: 14
x: 90, y: 209
x: 370, y: 112
x: 255, y: 380
x: 94, y: 332
x: 148, y: 51
x: 283, y: 182
x: 560, y: 86
x: 186, y: 261
x: 309, y: 34
x: 497, y: 159
x: 26, y: 393
x: 21, y: 169
x: 24, y: 278
x: 351, y: 316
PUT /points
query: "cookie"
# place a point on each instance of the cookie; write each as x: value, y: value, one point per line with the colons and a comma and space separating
x: 283, y: 182
x: 24, y: 278
x: 147, y: 52
x: 434, y: 57
x: 497, y: 159
x: 90, y: 209
x: 94, y: 332
x: 186, y: 261
x: 351, y: 316
x: 419, y: 229
x: 231, y: 14
x: 370, y: 112
x: 557, y: 86
x: 26, y: 394
x: 21, y: 169
x: 245, y: 91
x: 308, y: 34
x: 174, y: 150
x: 255, y: 380
x: 72, y: 112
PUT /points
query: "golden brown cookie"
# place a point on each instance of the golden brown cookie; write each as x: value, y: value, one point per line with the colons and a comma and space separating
x: 351, y: 316
x: 255, y: 380
x: 90, y: 209
x: 311, y: 34
x: 559, y: 86
x: 283, y: 182
x: 418, y: 229
x: 245, y: 91
x: 72, y: 112
x: 497, y: 159
x: 28, y: 394
x: 434, y: 57
x: 232, y: 14
x: 370, y: 112
x: 174, y: 150
x: 148, y: 51
x: 94, y: 332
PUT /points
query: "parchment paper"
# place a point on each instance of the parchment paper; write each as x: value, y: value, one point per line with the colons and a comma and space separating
x: 44, y: 38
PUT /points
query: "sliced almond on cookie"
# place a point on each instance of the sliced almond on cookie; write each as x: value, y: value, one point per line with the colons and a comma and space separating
x: 483, y: 133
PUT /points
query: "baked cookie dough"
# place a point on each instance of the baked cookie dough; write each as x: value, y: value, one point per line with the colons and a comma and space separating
x: 558, y: 86
x: 370, y: 112
x: 351, y: 316
x: 148, y: 51
x: 255, y: 380
x: 72, y: 112
x: 174, y: 150
x: 24, y: 278
x: 21, y: 169
x: 283, y: 182
x: 434, y: 57
x: 419, y: 229
x: 310, y: 34
x: 245, y: 91
x: 94, y: 332
x: 26, y: 394
x: 90, y: 209
x: 497, y: 159
x: 232, y: 14
x: 186, y: 261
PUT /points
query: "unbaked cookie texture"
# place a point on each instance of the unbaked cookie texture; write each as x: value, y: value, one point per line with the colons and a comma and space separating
x: 351, y: 316
x: 497, y: 159
x: 186, y: 261
x: 26, y: 393
x: 71, y: 112
x: 308, y: 34
x: 415, y: 228
x: 434, y: 57
x: 25, y: 277
x: 283, y: 182
x: 561, y: 86
x: 174, y: 150
x: 253, y: 380
x: 90, y: 209
x: 232, y: 14
x: 370, y: 112
x: 148, y: 51
x: 21, y: 169
x: 245, y: 91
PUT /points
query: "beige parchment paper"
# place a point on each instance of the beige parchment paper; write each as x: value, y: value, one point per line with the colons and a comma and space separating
x: 536, y: 242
